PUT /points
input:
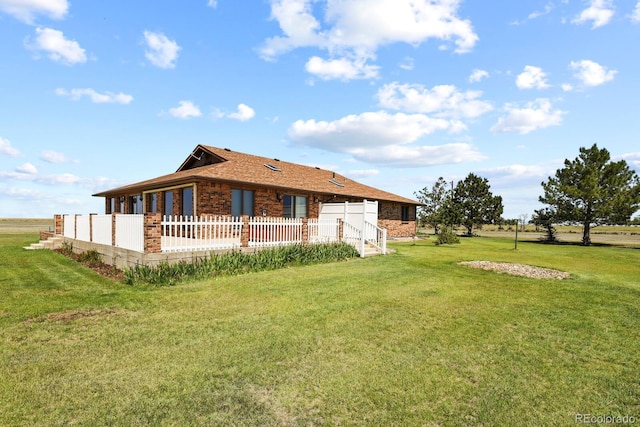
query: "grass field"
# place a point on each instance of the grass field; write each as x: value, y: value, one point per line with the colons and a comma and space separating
x: 410, y: 338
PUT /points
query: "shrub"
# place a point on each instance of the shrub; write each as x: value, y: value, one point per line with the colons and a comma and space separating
x: 234, y: 263
x: 90, y: 258
x: 66, y: 248
x: 446, y: 236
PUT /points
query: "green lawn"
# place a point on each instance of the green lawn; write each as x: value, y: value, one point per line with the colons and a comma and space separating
x: 410, y: 338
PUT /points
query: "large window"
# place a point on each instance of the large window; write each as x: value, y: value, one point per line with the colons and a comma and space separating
x: 405, y: 213
x: 135, y: 206
x: 187, y: 201
x: 152, y: 202
x: 112, y: 205
x: 294, y: 206
x: 241, y: 202
x: 168, y: 203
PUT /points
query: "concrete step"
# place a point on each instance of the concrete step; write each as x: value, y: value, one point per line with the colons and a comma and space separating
x: 50, y: 243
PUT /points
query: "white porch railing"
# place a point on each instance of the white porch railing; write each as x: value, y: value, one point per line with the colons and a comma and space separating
x: 323, y: 231
x: 183, y: 234
x: 376, y: 236
x: 265, y: 231
x: 180, y: 234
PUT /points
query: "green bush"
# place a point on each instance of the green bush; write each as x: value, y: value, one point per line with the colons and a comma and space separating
x: 234, y: 263
x: 91, y: 258
x: 446, y: 236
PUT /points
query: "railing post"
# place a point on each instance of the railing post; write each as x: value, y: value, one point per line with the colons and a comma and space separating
x: 113, y: 229
x: 75, y: 226
x: 152, y: 233
x: 305, y: 230
x: 362, y: 238
x: 91, y: 216
x: 244, y: 236
x: 340, y: 229
x: 58, y: 224
x: 384, y: 241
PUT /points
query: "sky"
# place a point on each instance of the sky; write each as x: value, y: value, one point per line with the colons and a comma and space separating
x: 391, y: 93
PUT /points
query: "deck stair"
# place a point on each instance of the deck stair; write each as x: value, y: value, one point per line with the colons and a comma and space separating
x: 50, y: 243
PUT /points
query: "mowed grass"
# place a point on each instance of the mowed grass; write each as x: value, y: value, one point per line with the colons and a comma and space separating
x: 411, y: 338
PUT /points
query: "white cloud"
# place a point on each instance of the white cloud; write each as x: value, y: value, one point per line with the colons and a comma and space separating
x: 162, y: 52
x: 243, y: 114
x: 591, y: 73
x: 442, y: 100
x: 407, y: 63
x: 58, y: 47
x: 477, y: 75
x: 185, y: 110
x: 532, y: 77
x: 96, y: 97
x: 511, y: 173
x: 6, y: 148
x: 362, y: 173
x: 635, y: 16
x: 599, y: 12
x: 535, y: 115
x: 632, y: 159
x: 27, y: 168
x: 383, y: 138
x: 538, y: 13
x: 567, y: 87
x: 342, y: 69
x: 26, y: 10
x: 51, y: 156
x: 212, y: 3
x: 371, y: 129
x: 356, y: 29
x: 420, y: 156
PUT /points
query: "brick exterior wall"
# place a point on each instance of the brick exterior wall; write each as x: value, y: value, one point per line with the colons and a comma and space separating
x: 214, y: 198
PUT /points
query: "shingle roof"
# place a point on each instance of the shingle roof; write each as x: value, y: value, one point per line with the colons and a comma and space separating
x: 232, y: 166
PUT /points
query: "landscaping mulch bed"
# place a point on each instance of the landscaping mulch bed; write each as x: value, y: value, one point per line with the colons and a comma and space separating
x: 518, y: 269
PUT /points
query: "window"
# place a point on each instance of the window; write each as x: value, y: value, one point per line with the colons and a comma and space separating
x: 187, y: 201
x: 135, y: 204
x: 294, y: 206
x: 405, y: 213
x: 152, y: 202
x: 168, y: 203
x: 241, y: 202
x: 112, y: 205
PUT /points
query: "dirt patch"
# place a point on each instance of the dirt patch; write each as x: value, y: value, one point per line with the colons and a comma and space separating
x: 71, y: 315
x: 99, y: 267
x: 518, y: 269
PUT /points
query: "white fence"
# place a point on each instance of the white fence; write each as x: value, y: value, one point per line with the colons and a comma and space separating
x: 323, y: 231
x: 130, y: 232
x: 98, y: 229
x: 183, y: 234
x: 180, y: 234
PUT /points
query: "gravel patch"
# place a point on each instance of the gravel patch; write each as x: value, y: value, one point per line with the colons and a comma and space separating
x: 518, y: 269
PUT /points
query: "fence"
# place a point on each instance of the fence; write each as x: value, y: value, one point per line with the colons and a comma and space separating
x: 180, y: 234
x: 149, y: 233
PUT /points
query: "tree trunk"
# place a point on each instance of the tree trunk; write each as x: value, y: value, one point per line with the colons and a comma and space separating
x: 470, y: 230
x: 586, y: 233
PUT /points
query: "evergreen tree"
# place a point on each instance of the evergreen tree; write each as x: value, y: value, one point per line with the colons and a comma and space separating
x: 593, y: 190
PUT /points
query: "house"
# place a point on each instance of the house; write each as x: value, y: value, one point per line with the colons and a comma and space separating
x: 219, y: 181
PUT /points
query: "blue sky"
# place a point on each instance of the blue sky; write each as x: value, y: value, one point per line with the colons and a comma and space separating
x: 391, y: 93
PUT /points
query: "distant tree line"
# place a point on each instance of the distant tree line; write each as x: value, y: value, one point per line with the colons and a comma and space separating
x: 591, y: 190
